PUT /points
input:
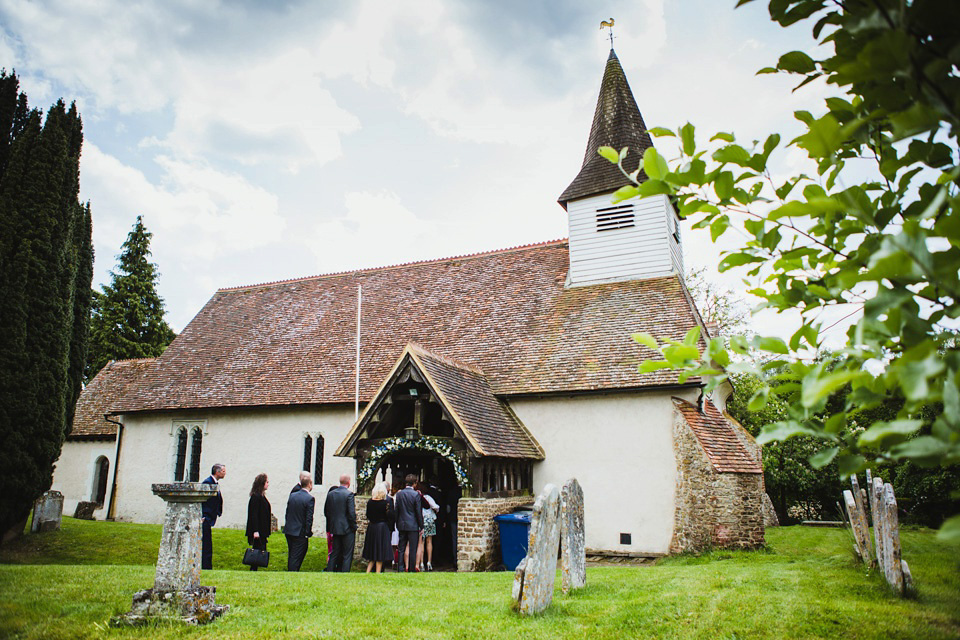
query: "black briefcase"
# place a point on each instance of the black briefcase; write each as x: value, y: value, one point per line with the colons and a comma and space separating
x: 256, y: 558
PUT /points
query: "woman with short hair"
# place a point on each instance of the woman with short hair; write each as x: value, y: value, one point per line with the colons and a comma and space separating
x: 259, y: 521
x: 380, y: 518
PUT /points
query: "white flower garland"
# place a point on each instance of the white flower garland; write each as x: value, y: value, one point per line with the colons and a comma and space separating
x: 439, y: 446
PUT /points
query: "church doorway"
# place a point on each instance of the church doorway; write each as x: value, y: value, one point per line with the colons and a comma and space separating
x: 437, y: 478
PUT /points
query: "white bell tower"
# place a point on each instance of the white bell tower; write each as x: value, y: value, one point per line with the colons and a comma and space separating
x: 634, y: 239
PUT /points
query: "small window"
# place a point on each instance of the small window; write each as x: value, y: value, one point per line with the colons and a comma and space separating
x: 103, y: 473
x: 307, y: 452
x: 180, y: 463
x: 616, y: 217
x: 318, y: 464
x: 195, y: 447
x: 625, y: 538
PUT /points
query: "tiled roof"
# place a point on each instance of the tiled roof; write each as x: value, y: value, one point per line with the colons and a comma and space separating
x: 718, y: 437
x: 483, y: 421
x: 489, y: 426
x: 505, y: 312
x: 617, y: 123
x: 103, y: 392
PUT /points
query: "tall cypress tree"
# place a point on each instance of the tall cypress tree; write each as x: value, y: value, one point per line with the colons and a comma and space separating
x: 127, y: 320
x: 46, y: 265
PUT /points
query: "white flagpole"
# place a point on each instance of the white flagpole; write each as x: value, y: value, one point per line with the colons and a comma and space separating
x: 356, y: 402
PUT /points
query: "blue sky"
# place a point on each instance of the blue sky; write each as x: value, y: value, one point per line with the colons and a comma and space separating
x: 264, y: 141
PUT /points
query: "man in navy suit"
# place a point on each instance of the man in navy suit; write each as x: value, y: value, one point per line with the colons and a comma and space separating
x: 409, y: 523
x: 211, y: 509
x: 298, y: 523
x: 340, y: 510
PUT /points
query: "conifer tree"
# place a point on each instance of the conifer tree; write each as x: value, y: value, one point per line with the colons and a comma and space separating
x: 127, y: 320
x: 46, y: 266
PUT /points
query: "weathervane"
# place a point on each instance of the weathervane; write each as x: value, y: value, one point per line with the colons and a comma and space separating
x: 608, y: 23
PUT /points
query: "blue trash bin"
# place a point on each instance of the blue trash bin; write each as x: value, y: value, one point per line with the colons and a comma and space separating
x: 514, y: 534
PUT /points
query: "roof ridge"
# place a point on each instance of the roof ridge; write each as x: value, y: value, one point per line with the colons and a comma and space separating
x: 414, y: 263
x: 421, y: 350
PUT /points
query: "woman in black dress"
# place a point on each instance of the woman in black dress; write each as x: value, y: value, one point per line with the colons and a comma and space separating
x: 258, y: 515
x: 376, y: 547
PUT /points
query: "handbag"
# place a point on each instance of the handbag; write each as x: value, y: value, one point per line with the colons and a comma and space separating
x: 256, y: 558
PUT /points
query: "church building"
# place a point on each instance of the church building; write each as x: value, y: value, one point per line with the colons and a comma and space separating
x: 487, y: 375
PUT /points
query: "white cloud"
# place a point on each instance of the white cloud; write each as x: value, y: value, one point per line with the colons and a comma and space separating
x: 196, y: 211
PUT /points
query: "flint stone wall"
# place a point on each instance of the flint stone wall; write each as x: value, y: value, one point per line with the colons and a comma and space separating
x: 478, y: 537
x: 713, y: 510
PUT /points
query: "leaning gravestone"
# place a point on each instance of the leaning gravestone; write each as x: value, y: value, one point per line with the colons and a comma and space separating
x: 573, y: 550
x: 860, y: 500
x: 84, y: 510
x: 177, y: 593
x: 535, y: 575
x: 47, y: 512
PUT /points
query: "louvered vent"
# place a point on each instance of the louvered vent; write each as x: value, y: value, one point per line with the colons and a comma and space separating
x: 616, y: 217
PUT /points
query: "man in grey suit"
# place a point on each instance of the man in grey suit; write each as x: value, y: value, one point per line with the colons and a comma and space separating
x: 298, y: 524
x: 409, y: 523
x: 340, y: 510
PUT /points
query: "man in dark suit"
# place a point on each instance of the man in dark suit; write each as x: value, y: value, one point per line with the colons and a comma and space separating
x: 340, y: 510
x: 298, y: 523
x: 409, y: 523
x: 211, y: 510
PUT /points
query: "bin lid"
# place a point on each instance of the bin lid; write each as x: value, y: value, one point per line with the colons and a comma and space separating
x: 523, y: 516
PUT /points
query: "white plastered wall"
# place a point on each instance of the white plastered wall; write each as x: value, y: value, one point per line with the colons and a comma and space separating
x: 248, y: 442
x: 76, y: 473
x: 620, y: 449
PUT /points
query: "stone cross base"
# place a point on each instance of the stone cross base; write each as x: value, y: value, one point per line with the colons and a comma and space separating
x: 196, y: 606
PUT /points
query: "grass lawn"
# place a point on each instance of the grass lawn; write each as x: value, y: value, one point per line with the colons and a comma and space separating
x: 68, y: 584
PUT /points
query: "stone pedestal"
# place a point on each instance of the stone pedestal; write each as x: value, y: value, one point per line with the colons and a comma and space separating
x: 177, y: 593
x: 47, y: 512
x: 535, y: 575
x: 573, y: 550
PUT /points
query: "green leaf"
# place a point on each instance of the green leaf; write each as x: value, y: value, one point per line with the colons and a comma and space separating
x: 796, y: 62
x: 648, y: 366
x: 924, y: 450
x: 660, y: 132
x: 771, y: 344
x: 851, y: 464
x: 646, y: 340
x: 884, y: 431
x: 680, y: 354
x: 724, y: 185
x: 759, y: 399
x: 950, y: 530
x: 818, y: 387
x: 718, y: 226
x: 625, y: 193
x: 686, y: 136
x: 692, y: 336
x: 610, y: 154
x: 783, y: 431
x: 822, y: 458
x: 726, y: 137
x: 736, y: 260
x: 654, y: 165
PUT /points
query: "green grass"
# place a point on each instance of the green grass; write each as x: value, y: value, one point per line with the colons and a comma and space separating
x: 804, y: 585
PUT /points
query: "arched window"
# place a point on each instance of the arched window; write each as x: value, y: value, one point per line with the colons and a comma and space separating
x: 195, y: 447
x: 180, y: 463
x: 101, y: 474
x: 307, y: 451
x: 318, y: 464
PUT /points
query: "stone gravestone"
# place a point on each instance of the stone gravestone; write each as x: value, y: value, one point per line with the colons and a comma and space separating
x: 535, y: 575
x: 856, y: 525
x: 886, y: 529
x: 573, y: 550
x: 864, y: 522
x: 176, y: 592
x: 84, y: 510
x: 770, y: 518
x: 47, y: 512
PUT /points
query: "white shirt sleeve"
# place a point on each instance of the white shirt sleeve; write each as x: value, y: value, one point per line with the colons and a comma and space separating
x: 433, y: 503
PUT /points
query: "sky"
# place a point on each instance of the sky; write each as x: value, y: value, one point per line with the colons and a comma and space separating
x: 266, y: 141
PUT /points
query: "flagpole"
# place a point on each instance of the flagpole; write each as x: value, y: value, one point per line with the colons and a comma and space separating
x: 356, y: 401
